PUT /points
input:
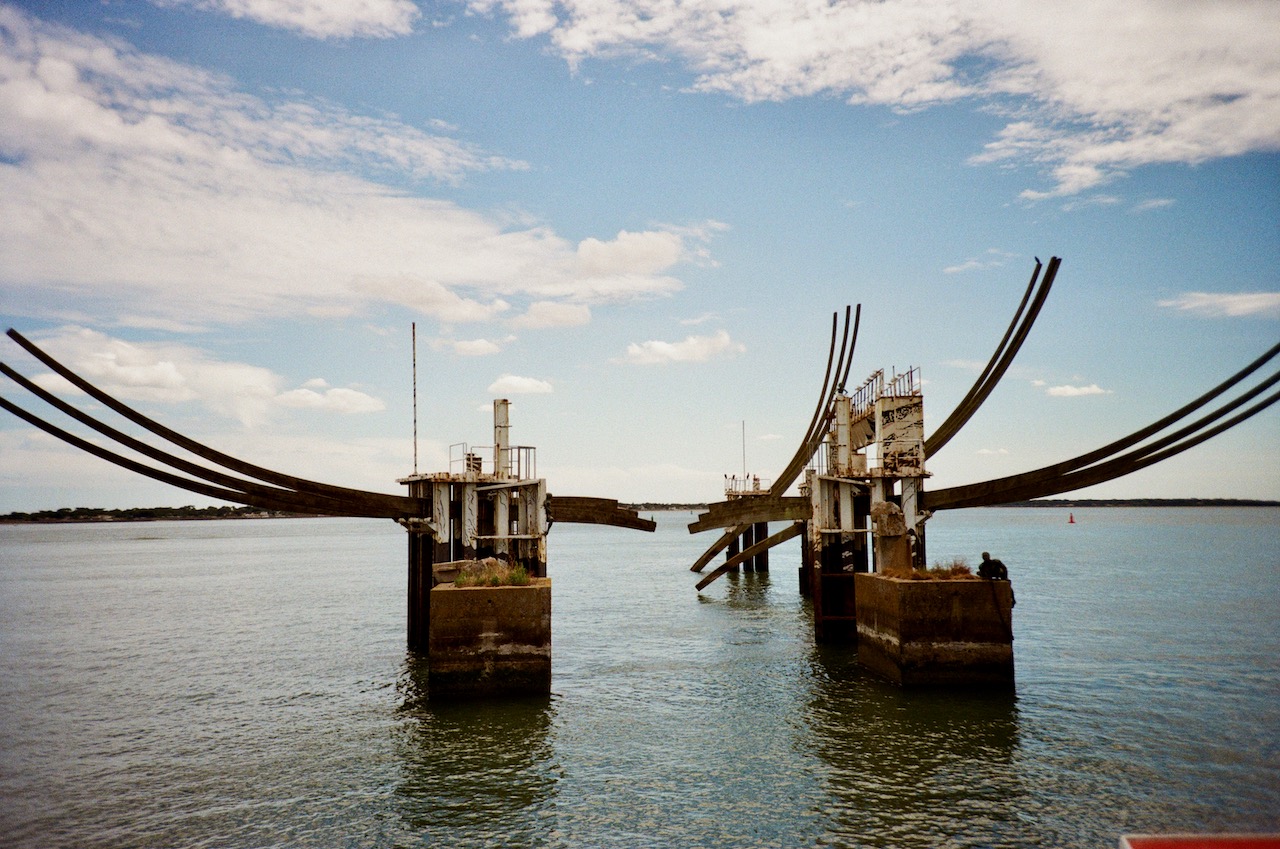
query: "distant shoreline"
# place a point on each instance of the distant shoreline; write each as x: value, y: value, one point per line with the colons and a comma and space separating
x: 67, y: 515
x: 1046, y: 502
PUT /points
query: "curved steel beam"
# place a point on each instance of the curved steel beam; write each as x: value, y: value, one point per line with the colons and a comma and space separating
x: 353, y: 505
x: 1048, y: 482
x: 1119, y: 468
x: 275, y: 500
x: 967, y: 493
x: 814, y: 434
x: 789, y: 532
x: 595, y: 511
x: 741, y: 512
x: 992, y: 375
x: 392, y: 502
x: 952, y: 423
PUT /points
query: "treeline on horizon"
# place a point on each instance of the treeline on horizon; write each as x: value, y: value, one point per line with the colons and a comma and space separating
x: 141, y: 514
x: 144, y: 514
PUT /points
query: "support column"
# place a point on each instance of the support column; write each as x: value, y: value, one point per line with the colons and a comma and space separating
x: 419, y: 596
x: 806, y: 563
x: 762, y: 559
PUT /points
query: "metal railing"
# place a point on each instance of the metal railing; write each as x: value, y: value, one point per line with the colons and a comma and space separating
x: 479, y: 460
x: 737, y: 487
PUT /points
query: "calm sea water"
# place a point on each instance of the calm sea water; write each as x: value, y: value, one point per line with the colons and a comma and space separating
x: 245, y: 683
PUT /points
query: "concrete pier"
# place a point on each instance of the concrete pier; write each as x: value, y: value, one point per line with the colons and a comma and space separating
x: 935, y: 632
x: 490, y: 641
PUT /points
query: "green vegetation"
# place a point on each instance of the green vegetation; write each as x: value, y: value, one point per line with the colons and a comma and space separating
x: 491, y: 572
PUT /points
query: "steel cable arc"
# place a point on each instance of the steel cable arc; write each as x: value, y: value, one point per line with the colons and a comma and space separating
x: 732, y: 533
x: 816, y: 432
x: 1113, y: 470
x: 248, y: 487
x: 962, y: 414
x: 233, y: 496
x: 407, y: 506
x: 1035, y: 486
x: 949, y: 425
x: 820, y: 408
x: 968, y: 492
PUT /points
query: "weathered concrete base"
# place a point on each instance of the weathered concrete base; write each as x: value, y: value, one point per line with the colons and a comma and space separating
x: 935, y: 632
x: 490, y: 641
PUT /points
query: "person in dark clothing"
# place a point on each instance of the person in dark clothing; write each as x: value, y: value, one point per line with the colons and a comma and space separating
x: 993, y: 569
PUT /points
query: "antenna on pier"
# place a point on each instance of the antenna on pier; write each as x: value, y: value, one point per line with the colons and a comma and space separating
x: 413, y: 336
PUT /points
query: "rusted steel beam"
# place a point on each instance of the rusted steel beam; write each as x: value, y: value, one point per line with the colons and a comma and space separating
x: 748, y: 511
x: 252, y: 489
x: 277, y: 500
x: 402, y: 505
x: 822, y: 414
x: 595, y: 511
x: 789, y: 532
x: 1049, y: 481
x: 818, y: 425
x: 1000, y: 363
x: 716, y: 547
x: 952, y: 424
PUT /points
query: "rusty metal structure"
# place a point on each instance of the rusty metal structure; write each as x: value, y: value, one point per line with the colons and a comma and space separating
x: 863, y: 502
x: 468, y: 512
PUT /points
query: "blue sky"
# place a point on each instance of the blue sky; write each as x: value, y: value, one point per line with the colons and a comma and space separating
x: 634, y: 220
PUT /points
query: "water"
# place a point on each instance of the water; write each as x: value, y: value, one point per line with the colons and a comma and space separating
x: 245, y: 683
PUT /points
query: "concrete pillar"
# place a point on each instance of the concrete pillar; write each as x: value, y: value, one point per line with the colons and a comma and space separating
x: 419, y: 595
x: 501, y: 439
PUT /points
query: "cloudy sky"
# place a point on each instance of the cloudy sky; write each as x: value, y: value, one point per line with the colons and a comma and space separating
x: 634, y: 220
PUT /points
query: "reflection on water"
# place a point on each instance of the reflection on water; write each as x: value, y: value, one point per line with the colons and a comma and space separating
x: 482, y: 769
x: 245, y: 684
x: 912, y: 766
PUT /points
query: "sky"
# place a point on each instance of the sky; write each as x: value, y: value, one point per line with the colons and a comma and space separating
x: 634, y: 220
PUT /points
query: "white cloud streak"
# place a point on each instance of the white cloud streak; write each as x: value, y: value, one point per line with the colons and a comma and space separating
x: 139, y: 188
x: 1227, y: 305
x: 543, y: 314
x: 512, y: 384
x: 318, y: 18
x: 694, y: 349
x: 1067, y: 391
x: 1092, y: 88
x: 175, y: 374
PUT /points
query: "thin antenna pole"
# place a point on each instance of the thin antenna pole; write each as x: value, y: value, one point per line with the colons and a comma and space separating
x: 413, y: 335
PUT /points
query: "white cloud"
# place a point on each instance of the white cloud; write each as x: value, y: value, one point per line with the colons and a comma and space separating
x: 702, y: 319
x: 148, y: 190
x: 511, y: 384
x: 992, y: 452
x: 1067, y: 391
x: 543, y: 314
x: 336, y: 400
x: 473, y: 347
x: 1094, y: 89
x: 1153, y: 203
x: 694, y: 349
x: 174, y: 374
x: 318, y: 18
x: 992, y: 258
x: 1219, y: 305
